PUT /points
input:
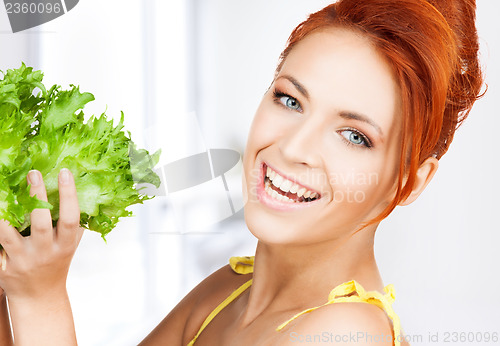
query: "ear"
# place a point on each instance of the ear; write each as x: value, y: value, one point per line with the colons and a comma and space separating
x: 424, y: 175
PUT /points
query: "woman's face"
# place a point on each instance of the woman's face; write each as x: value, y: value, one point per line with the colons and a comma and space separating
x: 323, y: 151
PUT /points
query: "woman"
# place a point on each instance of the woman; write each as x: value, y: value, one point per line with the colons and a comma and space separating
x: 364, y: 102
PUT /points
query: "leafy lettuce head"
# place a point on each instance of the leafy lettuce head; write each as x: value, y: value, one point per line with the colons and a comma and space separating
x: 45, y: 130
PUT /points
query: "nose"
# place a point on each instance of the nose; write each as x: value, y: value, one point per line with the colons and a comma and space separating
x: 301, y: 144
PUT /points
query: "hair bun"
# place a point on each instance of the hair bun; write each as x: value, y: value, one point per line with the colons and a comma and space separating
x: 467, y: 81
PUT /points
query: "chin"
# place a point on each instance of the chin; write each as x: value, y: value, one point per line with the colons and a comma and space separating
x: 266, y: 228
x: 277, y: 230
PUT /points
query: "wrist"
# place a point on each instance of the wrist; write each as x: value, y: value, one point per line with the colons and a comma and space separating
x: 51, y: 300
x: 31, y: 325
x: 35, y: 292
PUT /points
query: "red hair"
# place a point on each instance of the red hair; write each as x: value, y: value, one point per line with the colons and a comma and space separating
x: 432, y: 46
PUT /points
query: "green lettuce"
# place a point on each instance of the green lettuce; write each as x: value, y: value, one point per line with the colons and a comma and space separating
x: 45, y: 130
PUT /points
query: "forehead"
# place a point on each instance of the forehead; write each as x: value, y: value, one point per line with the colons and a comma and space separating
x: 342, y: 70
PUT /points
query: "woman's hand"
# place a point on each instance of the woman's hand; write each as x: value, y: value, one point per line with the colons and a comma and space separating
x: 39, y: 264
x: 36, y: 267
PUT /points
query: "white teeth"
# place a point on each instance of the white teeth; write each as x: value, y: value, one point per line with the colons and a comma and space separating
x: 286, y: 185
x: 272, y: 175
x: 278, y: 179
x: 275, y: 194
x: 301, y: 191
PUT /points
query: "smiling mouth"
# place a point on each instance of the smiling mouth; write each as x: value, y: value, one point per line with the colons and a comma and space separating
x: 285, y: 190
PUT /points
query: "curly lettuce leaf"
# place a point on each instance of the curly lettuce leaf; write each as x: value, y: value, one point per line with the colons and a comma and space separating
x: 46, y: 131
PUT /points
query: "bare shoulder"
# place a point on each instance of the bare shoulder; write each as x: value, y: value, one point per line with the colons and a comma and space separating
x: 341, y: 324
x: 213, y: 290
x: 182, y: 323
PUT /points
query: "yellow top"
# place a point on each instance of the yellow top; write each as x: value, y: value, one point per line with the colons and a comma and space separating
x: 244, y: 265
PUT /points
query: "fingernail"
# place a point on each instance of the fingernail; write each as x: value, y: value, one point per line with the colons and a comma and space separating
x: 34, y: 177
x: 64, y: 176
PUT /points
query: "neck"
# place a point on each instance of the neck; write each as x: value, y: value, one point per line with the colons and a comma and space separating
x: 299, y: 277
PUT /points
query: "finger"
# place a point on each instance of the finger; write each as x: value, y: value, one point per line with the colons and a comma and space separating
x: 10, y: 239
x: 3, y: 265
x: 79, y: 234
x: 41, y: 221
x: 68, y: 230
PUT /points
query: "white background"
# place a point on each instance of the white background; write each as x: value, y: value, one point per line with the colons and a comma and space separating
x: 189, y: 75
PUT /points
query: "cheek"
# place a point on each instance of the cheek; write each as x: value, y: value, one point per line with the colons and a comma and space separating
x: 361, y: 180
x: 263, y: 130
x: 269, y: 125
x: 260, y: 136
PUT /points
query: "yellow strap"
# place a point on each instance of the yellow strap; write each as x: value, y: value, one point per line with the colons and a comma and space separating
x: 242, y: 265
x: 221, y: 306
x: 337, y: 295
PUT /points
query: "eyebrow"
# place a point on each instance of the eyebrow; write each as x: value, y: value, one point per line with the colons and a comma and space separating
x: 363, y: 118
x: 297, y: 85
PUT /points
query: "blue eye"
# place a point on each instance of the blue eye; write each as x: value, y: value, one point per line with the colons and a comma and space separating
x: 287, y: 101
x: 356, y: 138
x: 290, y: 102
